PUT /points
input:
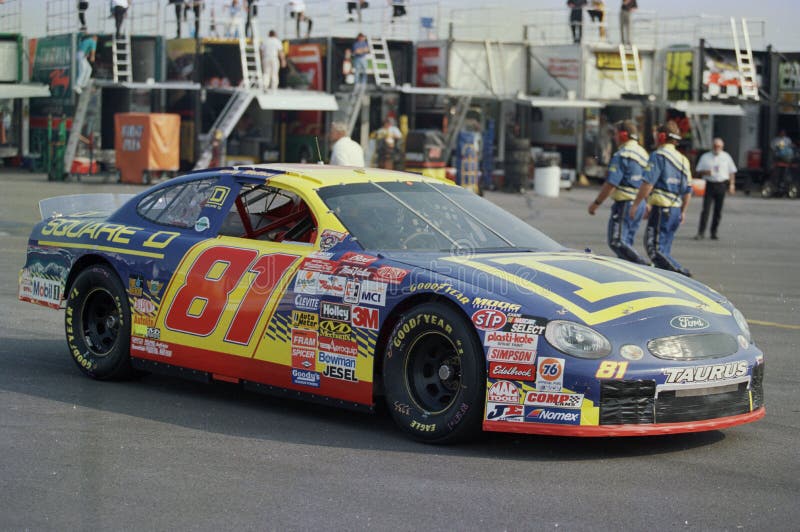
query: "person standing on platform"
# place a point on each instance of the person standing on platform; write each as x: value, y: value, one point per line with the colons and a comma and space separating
x: 345, y: 151
x: 360, y: 54
x: 252, y: 12
x: 719, y: 171
x: 83, y: 5
x: 297, y: 10
x: 273, y: 59
x: 667, y: 186
x: 120, y: 8
x: 86, y: 52
x: 597, y: 13
x: 576, y: 19
x: 627, y: 8
x: 625, y: 174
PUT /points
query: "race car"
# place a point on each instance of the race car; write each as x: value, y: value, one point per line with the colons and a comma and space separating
x: 354, y: 286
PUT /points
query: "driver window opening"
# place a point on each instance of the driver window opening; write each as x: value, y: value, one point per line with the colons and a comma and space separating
x: 269, y: 213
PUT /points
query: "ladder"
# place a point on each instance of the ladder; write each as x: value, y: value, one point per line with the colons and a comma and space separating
x: 630, y: 54
x: 381, y: 62
x: 121, y: 54
x: 250, y: 51
x: 350, y: 106
x: 226, y: 121
x: 699, y: 139
x: 454, y: 126
x: 86, y: 102
x: 494, y: 86
x: 744, y: 60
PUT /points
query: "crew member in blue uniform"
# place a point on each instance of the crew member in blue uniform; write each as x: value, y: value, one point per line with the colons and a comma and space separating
x: 624, y: 177
x: 667, y: 187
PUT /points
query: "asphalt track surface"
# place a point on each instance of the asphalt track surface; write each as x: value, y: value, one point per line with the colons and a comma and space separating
x: 160, y: 453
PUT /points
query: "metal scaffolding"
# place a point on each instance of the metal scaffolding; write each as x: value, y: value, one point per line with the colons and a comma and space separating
x: 11, y: 16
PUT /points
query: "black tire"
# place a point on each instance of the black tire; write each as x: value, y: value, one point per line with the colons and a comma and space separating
x: 767, y: 189
x: 98, y: 324
x: 434, y: 375
x: 793, y: 191
x: 518, y: 144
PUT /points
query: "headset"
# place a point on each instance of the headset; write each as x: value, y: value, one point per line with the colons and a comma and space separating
x: 622, y: 134
x: 663, y: 136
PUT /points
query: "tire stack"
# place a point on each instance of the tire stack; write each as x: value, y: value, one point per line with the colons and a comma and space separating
x: 517, y: 164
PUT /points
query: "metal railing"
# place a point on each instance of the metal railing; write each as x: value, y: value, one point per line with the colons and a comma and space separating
x: 11, y: 16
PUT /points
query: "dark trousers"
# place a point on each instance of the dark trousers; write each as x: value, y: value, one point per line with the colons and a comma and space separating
x: 576, y: 24
x: 622, y: 230
x: 119, y: 16
x: 83, y: 5
x: 715, y: 193
x: 662, y: 225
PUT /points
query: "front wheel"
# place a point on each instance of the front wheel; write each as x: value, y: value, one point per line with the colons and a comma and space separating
x: 98, y: 324
x: 434, y: 374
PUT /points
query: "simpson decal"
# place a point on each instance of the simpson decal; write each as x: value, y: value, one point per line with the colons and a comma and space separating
x: 504, y: 354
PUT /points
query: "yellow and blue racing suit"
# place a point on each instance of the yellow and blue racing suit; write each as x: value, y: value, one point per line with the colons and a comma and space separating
x: 625, y: 172
x: 670, y: 174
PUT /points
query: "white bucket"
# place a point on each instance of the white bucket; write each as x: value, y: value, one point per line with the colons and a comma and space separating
x: 547, y: 181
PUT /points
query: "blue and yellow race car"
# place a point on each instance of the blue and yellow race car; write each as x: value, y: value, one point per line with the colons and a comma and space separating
x: 351, y: 286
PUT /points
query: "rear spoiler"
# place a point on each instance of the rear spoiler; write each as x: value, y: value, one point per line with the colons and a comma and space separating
x: 102, y: 204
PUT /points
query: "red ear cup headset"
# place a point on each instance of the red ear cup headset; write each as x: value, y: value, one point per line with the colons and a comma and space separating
x: 662, y: 137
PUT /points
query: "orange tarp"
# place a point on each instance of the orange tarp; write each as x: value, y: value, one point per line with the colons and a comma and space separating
x: 146, y: 141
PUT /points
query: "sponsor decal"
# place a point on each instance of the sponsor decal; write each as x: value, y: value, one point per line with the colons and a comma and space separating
x: 305, y: 377
x: 415, y: 321
x: 482, y: 302
x: 354, y: 271
x: 511, y: 340
x: 366, y: 318
x: 306, y: 282
x: 489, y: 319
x: 373, y: 293
x: 352, y: 292
x: 320, y: 255
x: 442, y: 288
x: 153, y: 332
x: 151, y: 347
x: 305, y: 302
x: 318, y: 265
x: 41, y: 289
x: 501, y: 412
x: 305, y: 320
x: 202, y: 224
x: 334, y: 311
x: 331, y: 285
x: 335, y: 329
x: 338, y: 347
x: 135, y: 285
x: 688, y: 323
x: 389, y: 274
x: 552, y: 415
x: 505, y: 354
x: 341, y: 373
x: 550, y: 374
x: 304, y: 358
x: 516, y: 372
x: 526, y: 325
x: 304, y: 339
x: 357, y: 259
x: 710, y: 373
x: 329, y: 238
x: 563, y: 400
x: 143, y: 320
x: 423, y: 427
x: 107, y: 233
x: 331, y: 359
x: 143, y: 306
x: 402, y: 408
x: 154, y: 287
x: 458, y: 415
x: 503, y: 392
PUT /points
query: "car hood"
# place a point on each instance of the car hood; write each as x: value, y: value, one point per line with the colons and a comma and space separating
x: 598, y: 291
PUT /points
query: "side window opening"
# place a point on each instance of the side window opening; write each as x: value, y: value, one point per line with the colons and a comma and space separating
x: 269, y: 213
x: 177, y: 206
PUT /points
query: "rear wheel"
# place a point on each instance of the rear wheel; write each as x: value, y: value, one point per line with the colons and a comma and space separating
x: 434, y: 375
x: 98, y: 324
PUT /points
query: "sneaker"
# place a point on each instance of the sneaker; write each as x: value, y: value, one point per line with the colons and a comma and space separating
x: 698, y: 236
x: 714, y: 237
x: 78, y: 90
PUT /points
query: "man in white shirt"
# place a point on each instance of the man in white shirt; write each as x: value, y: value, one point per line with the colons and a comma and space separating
x: 719, y: 171
x: 346, y: 151
x: 272, y: 59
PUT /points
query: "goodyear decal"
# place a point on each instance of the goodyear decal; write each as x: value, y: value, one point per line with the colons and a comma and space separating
x: 596, y: 291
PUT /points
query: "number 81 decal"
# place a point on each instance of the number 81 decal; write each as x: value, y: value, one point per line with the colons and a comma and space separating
x: 221, y: 277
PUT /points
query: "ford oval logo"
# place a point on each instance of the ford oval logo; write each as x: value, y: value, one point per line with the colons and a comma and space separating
x: 688, y: 323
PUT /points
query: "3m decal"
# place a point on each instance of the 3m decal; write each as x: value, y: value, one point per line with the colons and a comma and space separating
x: 199, y: 304
x: 641, y: 289
x: 366, y: 317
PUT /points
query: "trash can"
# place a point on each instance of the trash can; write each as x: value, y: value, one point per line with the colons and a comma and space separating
x: 547, y: 181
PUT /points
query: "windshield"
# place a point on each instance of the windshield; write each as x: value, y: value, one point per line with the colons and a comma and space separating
x: 419, y: 216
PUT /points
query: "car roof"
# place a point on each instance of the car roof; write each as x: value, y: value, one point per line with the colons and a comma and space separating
x: 322, y: 174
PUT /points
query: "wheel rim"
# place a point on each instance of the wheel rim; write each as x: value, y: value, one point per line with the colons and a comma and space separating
x: 433, y: 372
x: 101, y: 322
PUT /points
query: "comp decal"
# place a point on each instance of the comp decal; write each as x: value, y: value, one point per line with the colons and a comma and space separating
x: 593, y: 299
